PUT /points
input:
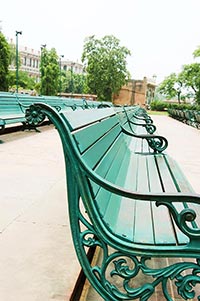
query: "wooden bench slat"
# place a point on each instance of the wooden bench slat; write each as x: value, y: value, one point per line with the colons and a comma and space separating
x: 126, y: 217
x: 112, y: 216
x: 143, y: 226
x: 106, y: 161
x: 126, y: 226
x: 103, y: 196
x: 170, y: 186
x: 163, y: 230
x: 87, y: 136
x: 99, y: 148
x: 78, y: 119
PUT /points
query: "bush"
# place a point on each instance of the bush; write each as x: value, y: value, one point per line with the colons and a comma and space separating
x: 184, y: 106
x: 158, y: 105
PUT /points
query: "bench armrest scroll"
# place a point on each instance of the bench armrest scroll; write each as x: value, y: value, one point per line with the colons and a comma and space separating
x: 156, y: 142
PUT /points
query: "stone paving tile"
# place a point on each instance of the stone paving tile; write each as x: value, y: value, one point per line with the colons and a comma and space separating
x: 38, y: 261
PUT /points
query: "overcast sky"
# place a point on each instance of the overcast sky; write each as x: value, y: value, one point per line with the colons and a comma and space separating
x: 161, y: 34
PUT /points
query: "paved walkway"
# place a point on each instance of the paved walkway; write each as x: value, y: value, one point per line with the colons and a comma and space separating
x: 37, y: 257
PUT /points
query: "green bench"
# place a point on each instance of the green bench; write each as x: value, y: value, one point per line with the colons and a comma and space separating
x: 140, y: 130
x: 14, y: 108
x: 133, y: 205
x: 137, y: 125
x: 190, y: 117
x: 11, y: 112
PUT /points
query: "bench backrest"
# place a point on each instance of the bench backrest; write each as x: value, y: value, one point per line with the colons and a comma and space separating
x: 10, y: 108
x: 100, y: 143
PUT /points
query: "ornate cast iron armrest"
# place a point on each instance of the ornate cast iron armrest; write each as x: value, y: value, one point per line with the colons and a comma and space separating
x: 162, y: 198
x: 144, y: 117
x: 150, y: 128
x: 184, y: 219
x: 156, y: 142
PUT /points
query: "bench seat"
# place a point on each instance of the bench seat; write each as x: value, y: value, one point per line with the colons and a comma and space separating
x: 131, y: 202
x: 134, y: 167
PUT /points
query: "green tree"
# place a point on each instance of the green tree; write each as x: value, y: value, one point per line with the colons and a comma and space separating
x: 73, y: 83
x: 196, y: 52
x: 65, y: 79
x: 4, y: 62
x: 190, y: 77
x: 25, y: 81
x: 171, y: 87
x: 50, y: 72
x: 105, y: 65
x: 80, y: 84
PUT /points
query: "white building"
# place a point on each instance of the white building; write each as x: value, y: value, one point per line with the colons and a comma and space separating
x: 30, y: 62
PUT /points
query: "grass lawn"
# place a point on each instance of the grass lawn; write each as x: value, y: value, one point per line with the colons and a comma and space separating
x: 157, y: 112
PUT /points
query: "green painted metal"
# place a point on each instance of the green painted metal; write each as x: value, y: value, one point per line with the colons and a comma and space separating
x: 15, y: 108
x: 135, y: 122
x: 190, y: 117
x: 128, y: 204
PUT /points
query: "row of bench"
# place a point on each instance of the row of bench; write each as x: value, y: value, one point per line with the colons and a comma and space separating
x: 189, y: 117
x: 13, y: 107
x: 128, y: 200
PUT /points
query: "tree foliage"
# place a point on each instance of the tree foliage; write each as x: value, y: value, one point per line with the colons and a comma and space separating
x: 105, y: 65
x: 196, y: 52
x: 184, y: 85
x: 190, y: 77
x: 171, y: 87
x: 4, y: 62
x: 50, y: 72
x: 24, y: 80
x: 73, y: 83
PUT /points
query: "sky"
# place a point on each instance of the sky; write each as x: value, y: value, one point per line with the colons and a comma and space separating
x: 161, y: 34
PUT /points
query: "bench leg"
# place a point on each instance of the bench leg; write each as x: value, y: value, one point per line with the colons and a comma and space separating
x: 27, y: 126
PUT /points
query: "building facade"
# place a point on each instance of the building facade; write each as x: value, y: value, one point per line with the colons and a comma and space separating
x: 139, y: 92
x: 136, y: 92
x: 30, y: 63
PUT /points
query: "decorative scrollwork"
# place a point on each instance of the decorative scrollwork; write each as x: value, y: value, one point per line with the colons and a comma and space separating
x: 57, y: 107
x: 157, y: 143
x: 74, y: 107
x: 34, y: 115
x: 121, y: 275
x: 144, y: 117
x: 151, y: 128
x: 183, y: 220
x: 127, y: 268
x: 89, y: 239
